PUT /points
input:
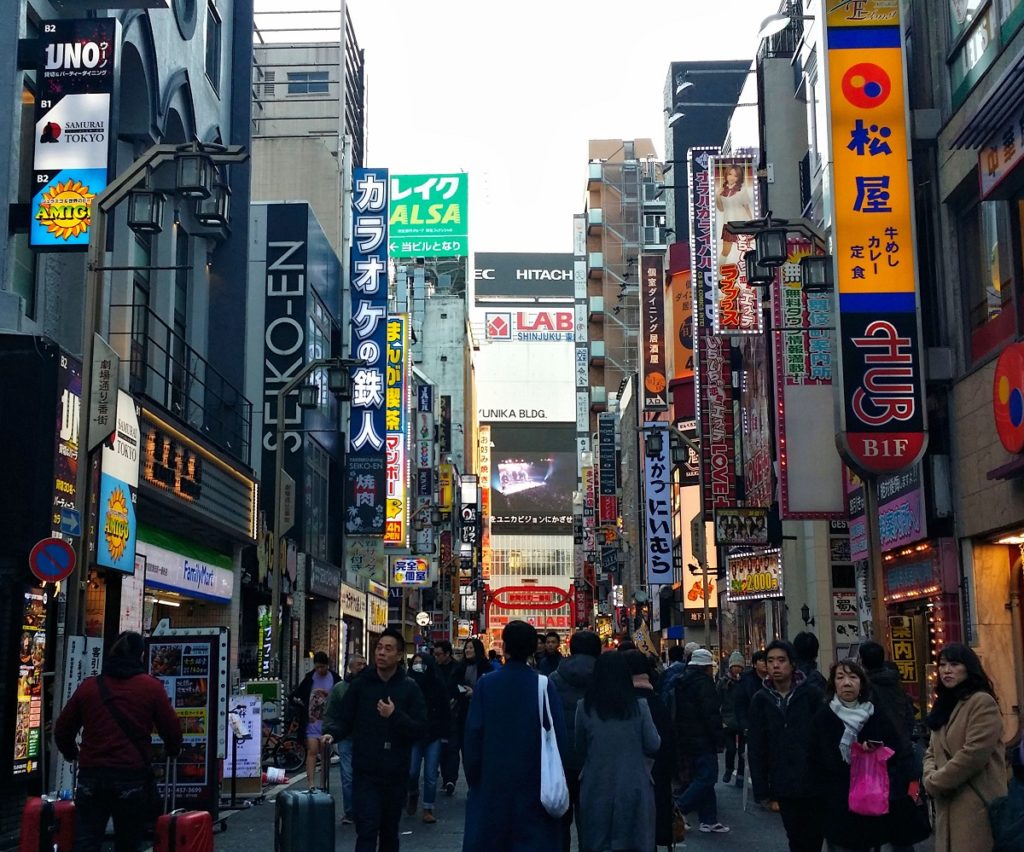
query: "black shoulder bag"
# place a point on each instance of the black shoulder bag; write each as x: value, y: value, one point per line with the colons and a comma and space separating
x: 154, y: 805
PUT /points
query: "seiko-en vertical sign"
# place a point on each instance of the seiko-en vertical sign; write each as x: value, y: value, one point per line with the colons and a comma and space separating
x: 75, y: 73
x: 369, y: 293
x: 882, y: 426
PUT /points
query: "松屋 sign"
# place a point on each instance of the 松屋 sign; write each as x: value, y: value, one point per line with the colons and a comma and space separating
x: 882, y: 425
x: 75, y: 71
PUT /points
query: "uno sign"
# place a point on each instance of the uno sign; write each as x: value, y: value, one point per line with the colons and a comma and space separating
x: 530, y: 597
x: 530, y: 325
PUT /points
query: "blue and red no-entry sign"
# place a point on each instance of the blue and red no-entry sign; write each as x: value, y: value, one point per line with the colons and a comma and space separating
x: 51, y: 560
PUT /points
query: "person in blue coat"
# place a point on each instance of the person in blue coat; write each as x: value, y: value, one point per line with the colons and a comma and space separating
x: 501, y: 754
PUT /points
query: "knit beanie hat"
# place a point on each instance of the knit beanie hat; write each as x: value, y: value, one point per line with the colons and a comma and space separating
x: 736, y: 659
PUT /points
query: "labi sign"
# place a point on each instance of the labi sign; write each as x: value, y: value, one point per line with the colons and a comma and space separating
x: 75, y: 69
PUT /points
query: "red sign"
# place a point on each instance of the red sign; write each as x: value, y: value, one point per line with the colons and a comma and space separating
x: 1008, y: 397
x: 530, y: 597
x: 51, y: 560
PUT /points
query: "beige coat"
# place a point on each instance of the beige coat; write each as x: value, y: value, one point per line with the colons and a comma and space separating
x: 973, y: 739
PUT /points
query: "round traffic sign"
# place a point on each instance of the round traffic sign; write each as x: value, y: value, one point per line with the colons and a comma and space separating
x: 51, y: 560
x: 423, y: 618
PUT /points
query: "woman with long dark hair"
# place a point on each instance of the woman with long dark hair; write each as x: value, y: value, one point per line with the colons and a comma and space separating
x: 618, y: 741
x: 851, y: 717
x: 473, y: 666
x: 964, y: 766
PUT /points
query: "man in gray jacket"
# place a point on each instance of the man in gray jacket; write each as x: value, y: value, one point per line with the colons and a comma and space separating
x: 571, y: 679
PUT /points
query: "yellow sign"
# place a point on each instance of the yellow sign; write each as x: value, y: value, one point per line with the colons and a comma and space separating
x: 873, y: 225
x: 444, y: 488
x: 863, y: 13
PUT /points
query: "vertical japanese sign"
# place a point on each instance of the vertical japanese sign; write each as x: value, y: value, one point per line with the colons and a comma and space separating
x: 752, y: 421
x: 608, y: 506
x: 652, y: 331
x: 681, y: 293
x: 657, y: 509
x: 65, y: 450
x: 119, y: 481
x: 369, y: 308
x: 424, y: 462
x: 28, y: 720
x: 880, y: 386
x: 904, y: 647
x: 427, y: 216
x: 485, y: 501
x: 737, y: 304
x: 396, y: 459
x: 75, y: 72
x: 713, y: 375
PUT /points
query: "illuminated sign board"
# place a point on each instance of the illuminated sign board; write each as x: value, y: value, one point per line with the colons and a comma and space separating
x: 882, y: 422
x: 75, y: 71
x: 529, y: 326
x: 427, y: 216
x: 396, y: 458
x: 737, y: 304
x: 754, y: 576
x: 119, y: 480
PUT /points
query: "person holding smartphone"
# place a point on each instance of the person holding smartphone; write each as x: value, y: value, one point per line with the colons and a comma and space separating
x: 850, y: 717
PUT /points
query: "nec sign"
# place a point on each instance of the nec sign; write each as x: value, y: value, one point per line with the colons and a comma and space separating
x: 515, y: 274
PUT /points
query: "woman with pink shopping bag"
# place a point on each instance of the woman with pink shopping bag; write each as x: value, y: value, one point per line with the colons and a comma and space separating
x: 860, y: 767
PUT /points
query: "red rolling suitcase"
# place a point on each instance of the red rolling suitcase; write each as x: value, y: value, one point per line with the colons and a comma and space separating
x: 181, y: 830
x: 47, y: 825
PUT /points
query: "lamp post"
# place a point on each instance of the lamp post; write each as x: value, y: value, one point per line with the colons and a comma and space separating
x: 145, y: 212
x: 338, y: 384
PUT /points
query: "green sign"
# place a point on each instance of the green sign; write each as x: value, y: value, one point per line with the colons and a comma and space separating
x: 428, y: 216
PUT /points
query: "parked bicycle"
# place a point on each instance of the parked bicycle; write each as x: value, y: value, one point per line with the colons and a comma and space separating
x: 284, y: 750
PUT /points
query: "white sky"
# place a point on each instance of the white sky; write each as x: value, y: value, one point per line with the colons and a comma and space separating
x: 511, y: 92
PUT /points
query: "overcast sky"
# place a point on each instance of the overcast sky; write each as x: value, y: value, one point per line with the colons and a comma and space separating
x: 511, y: 92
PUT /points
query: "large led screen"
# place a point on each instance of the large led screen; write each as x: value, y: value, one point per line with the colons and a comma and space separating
x: 533, y: 474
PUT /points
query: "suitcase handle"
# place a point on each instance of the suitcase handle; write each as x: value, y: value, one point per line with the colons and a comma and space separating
x: 170, y: 784
x: 325, y: 768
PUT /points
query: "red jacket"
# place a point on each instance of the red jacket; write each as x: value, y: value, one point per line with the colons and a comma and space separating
x: 144, y: 705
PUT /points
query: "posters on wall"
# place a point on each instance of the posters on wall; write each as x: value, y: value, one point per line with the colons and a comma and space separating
x: 28, y: 714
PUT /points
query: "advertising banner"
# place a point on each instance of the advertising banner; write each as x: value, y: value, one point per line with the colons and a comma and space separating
x: 75, y: 71
x: 810, y: 481
x: 427, y: 216
x: 737, y: 304
x: 652, y: 332
x: 176, y: 565
x: 902, y: 519
x: 188, y: 668
x: 65, y: 450
x: 244, y: 725
x: 657, y: 506
x: 396, y: 408
x: 881, y: 388
x: 608, y: 504
x: 713, y: 376
x: 119, y: 482
x: 742, y: 526
x: 681, y: 325
x: 530, y: 326
x: 518, y: 274
x: 755, y: 576
x: 28, y: 717
x: 751, y: 416
x: 369, y: 308
x: 409, y: 571
x: 486, y: 500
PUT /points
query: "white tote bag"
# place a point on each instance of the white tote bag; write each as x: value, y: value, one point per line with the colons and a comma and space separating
x: 554, y: 792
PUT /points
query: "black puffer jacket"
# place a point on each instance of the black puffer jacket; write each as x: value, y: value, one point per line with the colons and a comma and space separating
x: 698, y: 715
x: 571, y: 679
x: 435, y: 694
x: 779, y: 741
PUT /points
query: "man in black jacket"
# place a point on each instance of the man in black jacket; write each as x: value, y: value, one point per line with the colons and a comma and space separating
x: 448, y: 669
x: 698, y: 723
x: 572, y: 679
x: 384, y: 713
x: 751, y: 681
x: 778, y: 746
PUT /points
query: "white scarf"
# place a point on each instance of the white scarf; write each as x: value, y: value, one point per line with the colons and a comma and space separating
x: 853, y: 716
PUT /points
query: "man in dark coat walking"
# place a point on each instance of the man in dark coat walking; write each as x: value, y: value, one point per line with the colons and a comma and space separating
x: 447, y: 667
x: 501, y: 754
x: 384, y: 713
x: 571, y: 680
x: 548, y: 663
x: 751, y: 681
x: 778, y: 746
x: 698, y: 725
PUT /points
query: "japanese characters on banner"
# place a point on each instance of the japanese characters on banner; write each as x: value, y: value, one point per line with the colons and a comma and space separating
x: 427, y: 216
x: 902, y: 519
x: 369, y: 300
x: 75, y: 71
x: 737, y: 304
x: 810, y: 479
x: 754, y: 423
x: 66, y: 433
x: 713, y: 376
x: 589, y: 507
x: 657, y: 510
x: 396, y: 460
x: 881, y: 389
x: 652, y: 332
x: 742, y: 526
x: 409, y: 571
x: 424, y: 462
x: 484, y: 463
x: 608, y: 504
x: 119, y: 481
x: 681, y: 293
x: 755, y: 576
x: 1002, y: 153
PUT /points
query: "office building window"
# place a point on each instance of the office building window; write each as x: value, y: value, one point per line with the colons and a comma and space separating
x: 213, y: 39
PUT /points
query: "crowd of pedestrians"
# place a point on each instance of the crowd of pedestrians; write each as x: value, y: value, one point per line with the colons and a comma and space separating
x: 639, y: 742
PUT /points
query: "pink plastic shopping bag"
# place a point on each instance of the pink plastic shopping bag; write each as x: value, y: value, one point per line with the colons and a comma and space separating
x: 869, y: 780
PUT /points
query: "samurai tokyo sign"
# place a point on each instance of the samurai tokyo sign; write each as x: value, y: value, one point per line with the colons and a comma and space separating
x: 369, y: 295
x: 881, y: 389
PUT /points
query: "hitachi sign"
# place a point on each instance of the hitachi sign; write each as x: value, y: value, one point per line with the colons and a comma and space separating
x: 529, y: 274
